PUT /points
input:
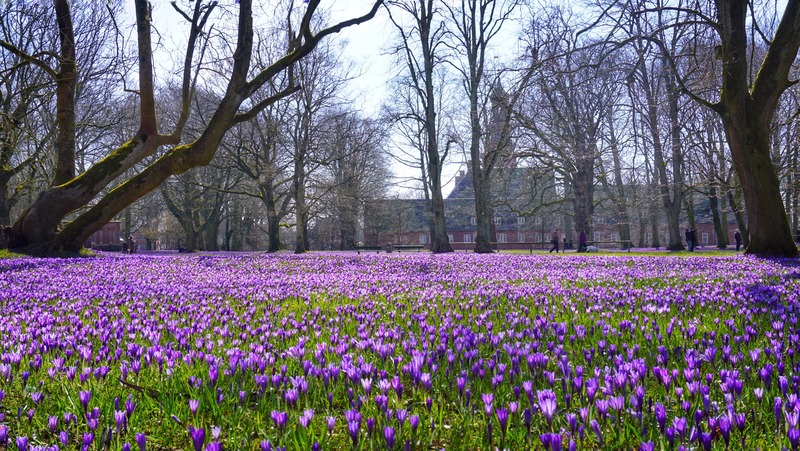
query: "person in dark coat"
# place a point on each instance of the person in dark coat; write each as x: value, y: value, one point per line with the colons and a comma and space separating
x: 582, y: 241
x: 688, y: 236
x: 554, y: 237
x: 737, y: 236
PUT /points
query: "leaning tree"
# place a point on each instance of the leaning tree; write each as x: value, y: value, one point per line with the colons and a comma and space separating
x: 43, y: 227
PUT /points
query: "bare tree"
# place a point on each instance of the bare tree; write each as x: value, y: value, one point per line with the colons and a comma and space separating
x: 38, y: 227
x: 475, y: 25
x: 419, y: 49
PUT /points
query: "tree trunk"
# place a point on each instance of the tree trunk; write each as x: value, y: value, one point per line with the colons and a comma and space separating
x: 740, y: 220
x: 747, y: 108
x: 483, y: 218
x: 583, y: 185
x: 767, y: 223
x: 66, y: 84
x: 722, y: 237
x: 299, y: 181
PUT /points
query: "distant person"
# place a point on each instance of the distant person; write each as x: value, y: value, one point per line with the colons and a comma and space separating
x: 554, y: 238
x: 694, y: 238
x: 582, y: 241
x: 737, y: 236
x: 131, y: 244
x: 689, y: 235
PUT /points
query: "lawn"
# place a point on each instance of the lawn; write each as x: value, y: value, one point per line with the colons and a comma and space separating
x: 399, y: 351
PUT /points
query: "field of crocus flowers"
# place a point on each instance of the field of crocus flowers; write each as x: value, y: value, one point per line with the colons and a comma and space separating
x: 338, y: 351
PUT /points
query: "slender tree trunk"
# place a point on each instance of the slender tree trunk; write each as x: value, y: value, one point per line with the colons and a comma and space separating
x: 273, y: 221
x: 299, y: 181
x: 66, y: 84
x: 722, y: 238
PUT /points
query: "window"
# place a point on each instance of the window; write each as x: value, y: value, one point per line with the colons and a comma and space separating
x: 598, y: 236
x: 666, y: 237
x: 538, y: 237
x: 473, y: 220
x: 704, y: 238
x: 520, y: 238
x: 520, y: 220
x: 614, y: 236
x: 423, y: 239
x: 502, y: 238
x: 450, y: 237
x: 537, y: 220
x: 467, y: 237
x: 648, y: 237
x: 498, y: 220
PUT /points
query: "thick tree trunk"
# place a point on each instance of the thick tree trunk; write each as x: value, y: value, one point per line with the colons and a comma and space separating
x: 767, y: 223
x: 583, y: 188
x: 747, y: 107
x: 37, y: 227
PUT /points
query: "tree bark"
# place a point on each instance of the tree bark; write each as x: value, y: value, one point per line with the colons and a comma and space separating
x: 747, y: 110
x: 66, y: 84
x: 722, y: 238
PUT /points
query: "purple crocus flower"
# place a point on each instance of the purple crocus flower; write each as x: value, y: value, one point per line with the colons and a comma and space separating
x: 502, y: 418
x: 22, y: 443
x: 352, y: 429
x: 596, y: 429
x: 661, y: 415
x: 85, y: 397
x: 705, y: 440
x: 198, y: 437
x: 63, y: 437
x: 194, y: 404
x: 413, y: 420
x: 141, y: 441
x: 52, y: 424
x: 487, y: 399
x: 794, y: 438
x: 388, y: 435
x: 120, y: 420
x: 279, y: 418
x: 305, y: 418
x: 266, y: 445
x: 547, y: 404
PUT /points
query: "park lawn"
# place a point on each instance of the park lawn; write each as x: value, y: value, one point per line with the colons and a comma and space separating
x: 459, y: 351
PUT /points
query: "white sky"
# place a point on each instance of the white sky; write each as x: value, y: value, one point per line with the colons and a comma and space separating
x: 366, y: 44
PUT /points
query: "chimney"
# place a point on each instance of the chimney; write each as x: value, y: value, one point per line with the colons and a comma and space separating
x: 459, y: 176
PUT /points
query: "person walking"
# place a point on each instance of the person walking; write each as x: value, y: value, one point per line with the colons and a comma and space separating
x: 554, y: 241
x: 688, y: 235
x: 737, y: 236
x: 582, y: 241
